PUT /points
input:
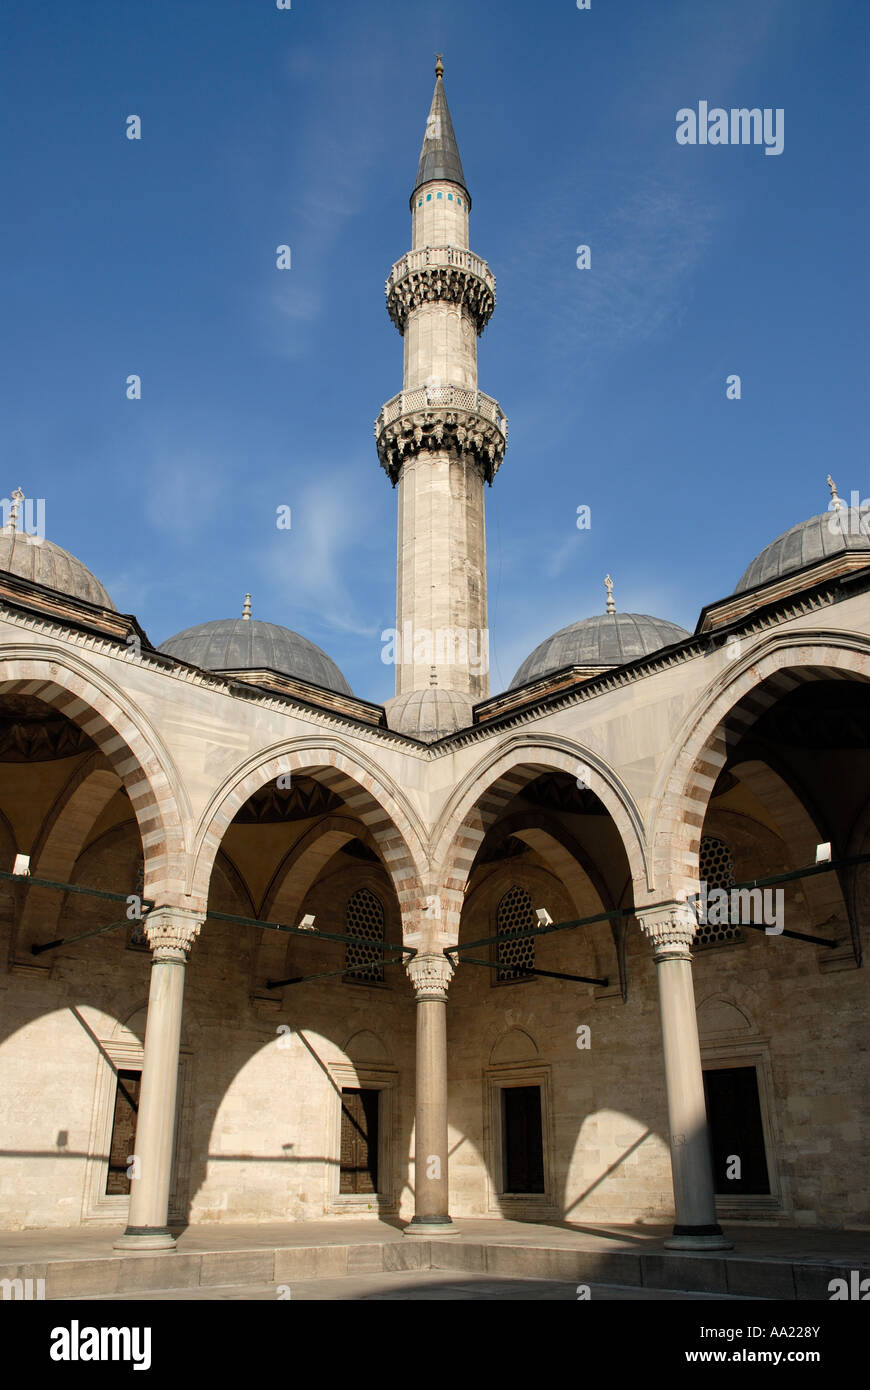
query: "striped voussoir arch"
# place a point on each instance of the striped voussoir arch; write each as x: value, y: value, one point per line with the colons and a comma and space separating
x: 715, y: 738
x: 487, y: 809
x: 469, y: 836
x: 465, y: 831
x: 364, y: 796
x: 131, y: 756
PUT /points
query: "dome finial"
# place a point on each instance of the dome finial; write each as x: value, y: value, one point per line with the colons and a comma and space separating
x: 439, y: 64
x: 16, y: 499
x: 246, y: 607
x: 837, y: 503
x: 608, y: 584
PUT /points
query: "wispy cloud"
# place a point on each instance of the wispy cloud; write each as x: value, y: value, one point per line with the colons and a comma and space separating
x: 184, y: 490
x: 336, y: 534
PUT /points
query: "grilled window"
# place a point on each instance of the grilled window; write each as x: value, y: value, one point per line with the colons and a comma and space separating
x: 516, y: 958
x: 364, y: 918
x: 716, y: 869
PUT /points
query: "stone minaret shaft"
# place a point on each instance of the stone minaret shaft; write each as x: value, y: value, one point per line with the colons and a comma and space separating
x: 441, y: 439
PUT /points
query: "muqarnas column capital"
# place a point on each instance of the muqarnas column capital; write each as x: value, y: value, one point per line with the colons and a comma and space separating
x: 171, y: 932
x: 430, y: 974
x: 669, y: 929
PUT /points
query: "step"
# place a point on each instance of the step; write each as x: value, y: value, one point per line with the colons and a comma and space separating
x: 721, y: 1274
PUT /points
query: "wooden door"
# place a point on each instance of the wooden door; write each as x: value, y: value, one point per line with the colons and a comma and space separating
x: 359, y: 1141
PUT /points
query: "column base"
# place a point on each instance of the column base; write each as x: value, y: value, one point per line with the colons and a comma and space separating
x: 431, y: 1227
x: 698, y: 1238
x: 145, y: 1238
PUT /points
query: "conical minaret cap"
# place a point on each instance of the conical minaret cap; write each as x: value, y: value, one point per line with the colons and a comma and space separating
x: 439, y: 157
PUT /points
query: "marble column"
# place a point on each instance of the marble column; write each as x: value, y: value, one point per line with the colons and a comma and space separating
x: 171, y: 932
x: 430, y: 975
x: 671, y: 931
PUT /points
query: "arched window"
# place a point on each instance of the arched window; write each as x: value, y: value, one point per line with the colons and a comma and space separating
x: 716, y: 870
x: 364, y: 918
x: 515, y: 958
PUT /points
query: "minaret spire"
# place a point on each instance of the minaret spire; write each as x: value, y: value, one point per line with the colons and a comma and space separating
x: 441, y: 439
x: 439, y: 156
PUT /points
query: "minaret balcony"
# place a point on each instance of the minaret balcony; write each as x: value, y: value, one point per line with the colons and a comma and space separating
x: 438, y: 419
x: 447, y: 273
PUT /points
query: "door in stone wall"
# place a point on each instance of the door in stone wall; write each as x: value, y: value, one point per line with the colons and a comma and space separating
x: 359, y: 1140
x: 736, y: 1131
x: 123, y: 1141
x: 522, y: 1139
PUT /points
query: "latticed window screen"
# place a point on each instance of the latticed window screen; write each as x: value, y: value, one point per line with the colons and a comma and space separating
x: 515, y: 958
x: 716, y: 869
x: 364, y: 917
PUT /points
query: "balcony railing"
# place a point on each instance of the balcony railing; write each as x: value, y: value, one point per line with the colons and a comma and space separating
x: 422, y: 396
x: 440, y: 256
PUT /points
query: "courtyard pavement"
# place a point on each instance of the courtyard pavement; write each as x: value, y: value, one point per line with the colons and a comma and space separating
x: 789, y: 1244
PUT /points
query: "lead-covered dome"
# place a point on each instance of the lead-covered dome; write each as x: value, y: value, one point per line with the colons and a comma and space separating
x: 247, y: 644
x: 609, y: 639
x: 832, y: 533
x: 43, y: 562
x: 429, y: 714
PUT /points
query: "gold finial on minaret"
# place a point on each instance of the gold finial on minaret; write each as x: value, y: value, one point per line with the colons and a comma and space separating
x: 16, y: 499
x: 439, y: 64
x: 246, y: 607
x: 837, y: 503
x: 608, y: 584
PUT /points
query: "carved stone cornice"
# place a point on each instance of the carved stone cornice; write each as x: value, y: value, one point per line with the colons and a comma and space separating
x: 670, y: 930
x: 451, y: 284
x: 441, y: 419
x: 430, y: 975
x: 171, y: 931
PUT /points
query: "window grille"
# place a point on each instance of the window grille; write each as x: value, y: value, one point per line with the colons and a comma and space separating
x: 364, y: 918
x: 716, y: 869
x: 515, y: 958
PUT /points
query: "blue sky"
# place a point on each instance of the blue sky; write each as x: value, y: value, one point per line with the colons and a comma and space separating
x: 259, y: 387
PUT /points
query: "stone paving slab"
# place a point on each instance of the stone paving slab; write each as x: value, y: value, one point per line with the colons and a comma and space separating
x: 754, y: 1242
x: 782, y: 1264
x: 426, y: 1286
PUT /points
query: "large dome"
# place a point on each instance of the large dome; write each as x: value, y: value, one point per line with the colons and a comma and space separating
x: 43, y: 562
x: 832, y: 533
x: 247, y: 644
x: 609, y: 639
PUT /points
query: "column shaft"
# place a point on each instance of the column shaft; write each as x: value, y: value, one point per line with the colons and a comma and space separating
x: 430, y: 975
x: 695, y: 1225
x: 171, y: 935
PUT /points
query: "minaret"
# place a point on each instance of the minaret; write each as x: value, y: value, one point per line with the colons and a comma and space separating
x: 441, y: 438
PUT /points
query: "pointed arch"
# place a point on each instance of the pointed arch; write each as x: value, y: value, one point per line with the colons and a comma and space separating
x: 500, y: 776
x: 350, y: 773
x: 740, y: 695
x: 120, y: 729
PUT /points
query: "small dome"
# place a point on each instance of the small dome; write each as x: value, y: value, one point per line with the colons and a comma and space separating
x: 609, y: 639
x: 43, y: 562
x: 832, y: 533
x: 247, y: 644
x: 429, y: 714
